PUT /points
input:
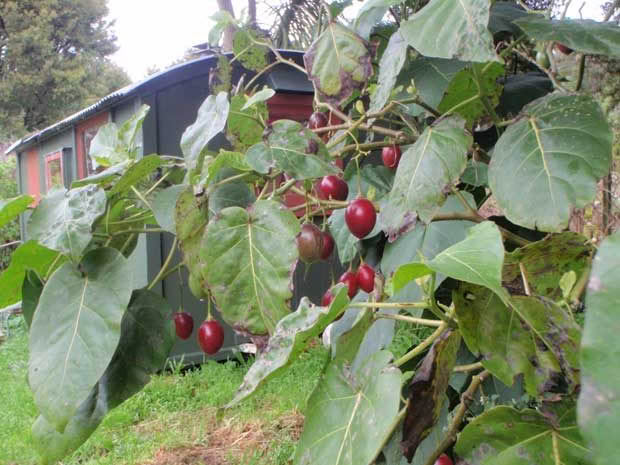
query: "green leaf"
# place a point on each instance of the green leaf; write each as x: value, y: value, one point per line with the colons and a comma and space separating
x: 259, y: 97
x: 408, y: 272
x: 391, y: 63
x: 427, y: 391
x: 504, y: 435
x: 502, y: 16
x: 106, y: 147
x: 292, y: 148
x: 249, y: 257
x: 220, y: 76
x: 104, y: 177
x: 362, y: 406
x: 292, y: 335
x: 130, y: 129
x: 582, y: 35
x: 75, y: 331
x: 210, y: 121
x: 370, y: 14
x: 338, y: 63
x: 446, y: 29
x: 232, y: 194
x: 478, y: 80
x: 224, y: 159
x: 532, y: 337
x: 348, y: 333
x: 164, y: 204
x: 147, y: 336
x: 222, y: 19
x: 476, y: 173
x: 562, y: 145
x: 136, y: 172
x: 433, y: 163
x: 12, y: 208
x: 244, y: 126
x: 28, y: 256
x: 31, y: 292
x: 63, y: 219
x: 252, y: 56
x: 599, y: 400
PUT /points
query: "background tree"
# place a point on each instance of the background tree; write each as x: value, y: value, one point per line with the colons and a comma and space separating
x: 53, y: 61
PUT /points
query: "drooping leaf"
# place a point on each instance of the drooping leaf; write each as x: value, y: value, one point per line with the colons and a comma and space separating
x: 532, y: 337
x: 477, y: 80
x: 504, y: 435
x: 136, y: 172
x: 348, y: 333
x: 408, y: 272
x: 448, y: 29
x: 106, y: 148
x: 290, y: 338
x: 28, y: 256
x: 244, y: 125
x: 12, y: 208
x: 583, y: 35
x: 251, y: 55
x: 210, y: 121
x: 391, y: 63
x: 521, y: 89
x: 562, y: 145
x: 75, y: 331
x: 224, y: 159
x: 104, y: 177
x: 147, y: 336
x: 130, y: 130
x: 222, y: 19
x: 599, y: 400
x: 232, y: 194
x: 164, y: 204
x: 434, y: 162
x: 338, y: 63
x: 259, y: 97
x: 362, y: 406
x: 370, y: 14
x: 31, y: 292
x: 249, y: 256
x: 63, y: 219
x: 292, y: 148
x: 502, y: 16
x: 427, y: 391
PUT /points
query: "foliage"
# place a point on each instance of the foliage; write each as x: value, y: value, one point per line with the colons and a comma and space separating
x: 8, y: 189
x: 500, y: 296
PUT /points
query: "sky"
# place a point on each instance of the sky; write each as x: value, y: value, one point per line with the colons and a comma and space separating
x: 157, y: 32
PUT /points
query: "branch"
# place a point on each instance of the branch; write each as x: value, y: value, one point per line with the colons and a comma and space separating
x: 422, y: 346
x: 165, y: 265
x: 409, y: 319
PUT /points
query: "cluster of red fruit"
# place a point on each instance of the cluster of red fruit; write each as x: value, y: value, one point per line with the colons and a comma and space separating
x: 363, y: 279
x: 210, y: 333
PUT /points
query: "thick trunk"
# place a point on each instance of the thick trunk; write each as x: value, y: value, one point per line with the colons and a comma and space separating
x: 229, y: 32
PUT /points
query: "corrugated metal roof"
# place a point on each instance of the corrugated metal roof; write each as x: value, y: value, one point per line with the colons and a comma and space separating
x: 115, y: 97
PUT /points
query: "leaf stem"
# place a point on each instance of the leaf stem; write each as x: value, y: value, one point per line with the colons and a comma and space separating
x: 466, y: 368
x: 141, y: 197
x: 410, y: 319
x: 154, y: 186
x: 165, y: 265
x: 421, y: 347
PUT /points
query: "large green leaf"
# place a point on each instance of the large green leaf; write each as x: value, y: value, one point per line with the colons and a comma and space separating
x: 427, y: 391
x: 31, y: 293
x: 599, y: 400
x: 164, y: 204
x: 232, y: 194
x: 210, y: 121
x: 292, y: 148
x: 502, y: 16
x: 550, y: 160
x: 244, y: 125
x: 259, y: 97
x: 290, y: 338
x: 75, y: 331
x: 11, y: 208
x: 251, y: 55
x: 506, y: 436
x: 426, y: 169
x: 136, y: 172
x: 582, y: 35
x: 391, y: 63
x: 531, y: 337
x: 370, y: 14
x: 147, y: 336
x: 130, y: 130
x: 449, y: 29
x: 106, y: 147
x: 338, y: 62
x: 28, y: 256
x: 249, y: 256
x: 224, y: 159
x: 350, y: 414
x: 104, y: 177
x: 63, y: 219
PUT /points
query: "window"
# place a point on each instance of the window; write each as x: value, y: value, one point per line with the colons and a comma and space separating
x: 53, y: 170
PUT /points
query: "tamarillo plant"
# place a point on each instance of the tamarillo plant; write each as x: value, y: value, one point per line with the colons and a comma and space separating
x: 510, y: 374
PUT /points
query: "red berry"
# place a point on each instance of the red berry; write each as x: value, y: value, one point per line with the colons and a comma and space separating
x: 310, y: 243
x: 443, y: 459
x: 350, y: 279
x: 210, y: 336
x: 366, y: 278
x: 327, y: 298
x: 333, y: 187
x: 360, y: 217
x: 391, y: 156
x: 184, y: 324
x: 317, y: 120
x: 328, y: 245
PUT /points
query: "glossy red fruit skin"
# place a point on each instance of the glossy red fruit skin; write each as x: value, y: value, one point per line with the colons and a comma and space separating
x: 563, y: 48
x: 210, y: 336
x: 309, y: 243
x: 333, y: 187
x: 360, y: 217
x: 366, y: 278
x: 183, y: 324
x: 391, y: 156
x: 328, y: 245
x: 443, y: 459
x: 327, y: 298
x: 350, y: 279
x: 317, y: 120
